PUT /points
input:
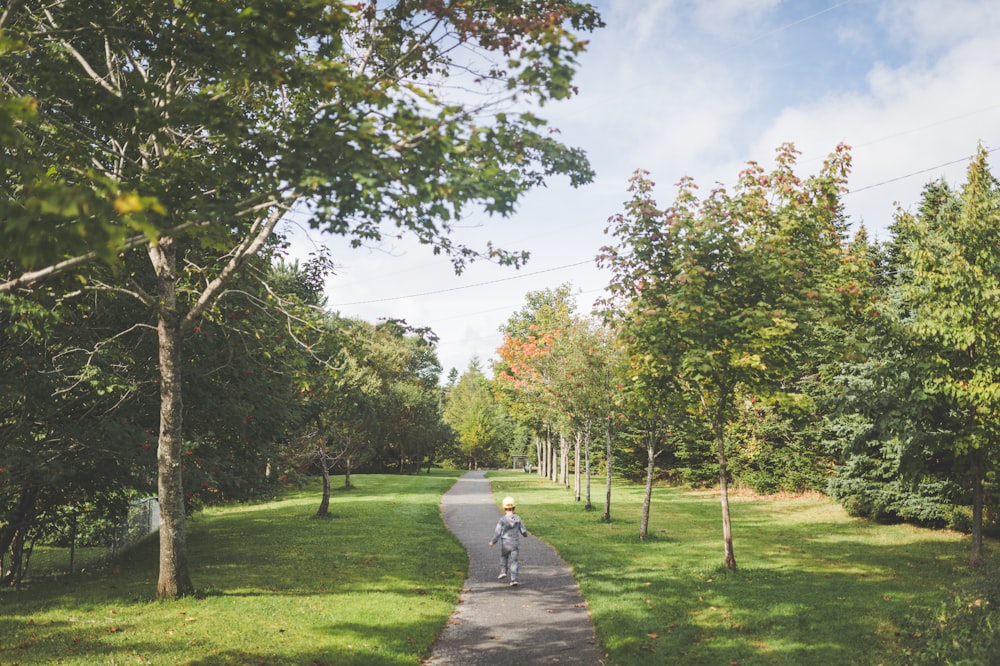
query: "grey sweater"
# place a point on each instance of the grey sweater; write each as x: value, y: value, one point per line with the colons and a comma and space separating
x: 510, y: 529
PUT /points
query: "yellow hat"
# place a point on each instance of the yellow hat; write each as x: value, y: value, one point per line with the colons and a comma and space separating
x: 508, y: 502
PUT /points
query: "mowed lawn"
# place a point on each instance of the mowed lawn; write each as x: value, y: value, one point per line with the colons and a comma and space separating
x: 376, y: 582
x: 813, y: 586
x: 373, y: 584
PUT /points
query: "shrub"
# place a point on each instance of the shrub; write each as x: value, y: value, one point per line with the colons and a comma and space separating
x: 966, y: 630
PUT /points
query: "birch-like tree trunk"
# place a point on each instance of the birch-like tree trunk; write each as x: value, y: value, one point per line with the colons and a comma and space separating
x: 727, y: 526
x: 976, y: 549
x: 647, y: 498
x: 564, y: 460
x: 607, y: 473
x: 539, y: 458
x: 576, y: 467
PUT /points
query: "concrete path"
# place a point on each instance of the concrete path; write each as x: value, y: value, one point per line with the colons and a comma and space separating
x: 543, y: 621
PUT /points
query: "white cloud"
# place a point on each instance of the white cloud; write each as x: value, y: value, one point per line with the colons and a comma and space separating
x: 925, y: 26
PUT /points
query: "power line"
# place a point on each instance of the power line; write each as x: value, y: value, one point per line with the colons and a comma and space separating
x: 915, y: 173
x: 589, y: 261
x: 787, y: 26
x: 467, y: 286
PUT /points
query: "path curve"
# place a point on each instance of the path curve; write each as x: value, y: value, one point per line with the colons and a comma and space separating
x: 543, y: 621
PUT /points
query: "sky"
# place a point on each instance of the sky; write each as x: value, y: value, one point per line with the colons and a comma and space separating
x: 698, y: 88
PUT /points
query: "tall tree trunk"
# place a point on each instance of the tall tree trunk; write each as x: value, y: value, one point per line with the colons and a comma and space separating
x: 14, y: 534
x: 976, y: 551
x: 576, y: 467
x: 564, y: 460
x: 324, y: 466
x: 586, y: 461
x: 607, y: 473
x: 347, y: 473
x: 175, y: 578
x: 555, y: 460
x: 648, y: 498
x: 727, y: 527
x: 550, y: 464
x: 539, y: 462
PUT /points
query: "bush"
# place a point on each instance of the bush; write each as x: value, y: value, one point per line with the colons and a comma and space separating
x: 868, y: 488
x: 966, y: 630
x: 960, y: 519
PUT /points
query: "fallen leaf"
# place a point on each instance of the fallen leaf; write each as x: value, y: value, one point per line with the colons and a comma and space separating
x: 653, y: 636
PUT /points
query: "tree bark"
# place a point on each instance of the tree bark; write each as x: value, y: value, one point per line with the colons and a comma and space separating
x: 563, y: 460
x: 174, y: 576
x: 727, y: 527
x: 324, y: 465
x: 539, y: 462
x: 976, y: 549
x: 550, y: 458
x: 576, y: 467
x: 14, y: 534
x: 586, y: 461
x: 648, y: 498
x: 607, y: 473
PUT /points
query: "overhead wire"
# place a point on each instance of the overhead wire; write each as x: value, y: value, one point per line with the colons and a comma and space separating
x: 467, y: 286
x: 754, y: 39
x: 589, y: 261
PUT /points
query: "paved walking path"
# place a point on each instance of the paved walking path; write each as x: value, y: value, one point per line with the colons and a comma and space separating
x: 543, y: 621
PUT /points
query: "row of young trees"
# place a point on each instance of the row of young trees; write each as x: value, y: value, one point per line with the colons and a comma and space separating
x: 747, y: 336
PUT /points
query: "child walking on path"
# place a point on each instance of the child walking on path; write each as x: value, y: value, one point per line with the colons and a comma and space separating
x: 545, y: 622
x: 509, y: 530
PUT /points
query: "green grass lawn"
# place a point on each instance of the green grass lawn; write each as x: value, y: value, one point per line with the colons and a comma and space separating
x: 813, y: 586
x: 373, y: 584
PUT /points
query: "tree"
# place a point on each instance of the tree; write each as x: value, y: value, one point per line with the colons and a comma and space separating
x: 725, y: 293
x: 409, y: 424
x: 476, y: 418
x: 948, y: 313
x: 527, y: 366
x: 71, y: 420
x: 188, y: 131
x: 583, y: 386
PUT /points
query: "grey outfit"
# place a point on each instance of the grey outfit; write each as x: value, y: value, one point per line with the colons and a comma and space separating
x: 508, y: 532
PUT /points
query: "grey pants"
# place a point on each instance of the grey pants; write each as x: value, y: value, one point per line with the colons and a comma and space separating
x: 508, y: 561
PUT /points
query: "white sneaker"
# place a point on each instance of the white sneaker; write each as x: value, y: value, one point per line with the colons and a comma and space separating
x: 501, y: 576
x: 514, y: 583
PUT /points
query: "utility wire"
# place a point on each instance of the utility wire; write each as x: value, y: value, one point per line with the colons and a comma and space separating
x: 467, y: 286
x: 915, y: 173
x: 782, y: 28
x: 588, y: 261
